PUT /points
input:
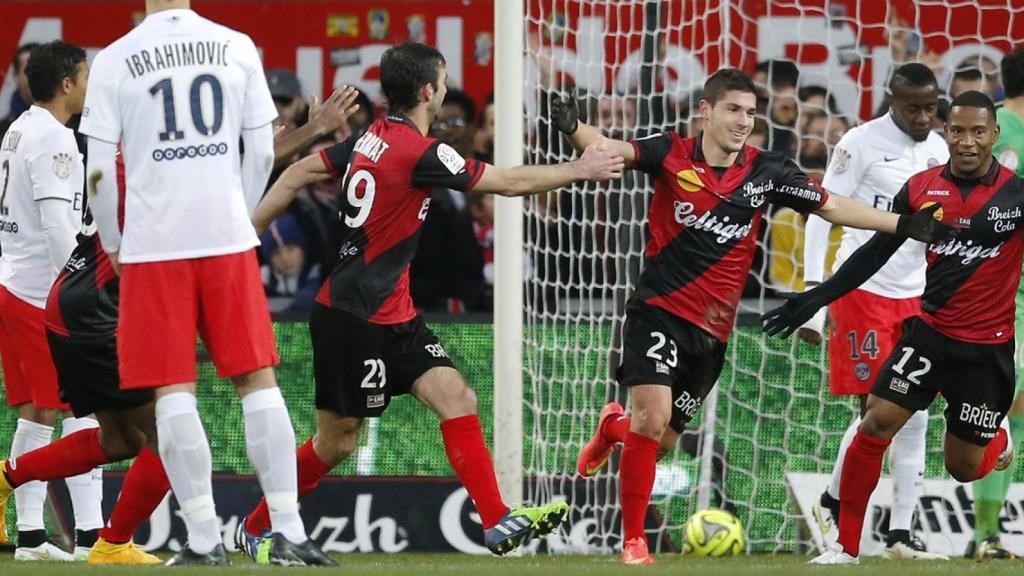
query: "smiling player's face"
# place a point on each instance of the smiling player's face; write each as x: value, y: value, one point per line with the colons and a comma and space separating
x: 970, y: 133
x: 731, y: 119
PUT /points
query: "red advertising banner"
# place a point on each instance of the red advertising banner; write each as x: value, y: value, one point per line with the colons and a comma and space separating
x: 848, y: 45
x: 325, y: 42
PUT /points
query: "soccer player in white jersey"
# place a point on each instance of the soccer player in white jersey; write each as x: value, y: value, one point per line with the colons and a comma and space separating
x: 41, y: 204
x: 870, y: 164
x: 178, y: 92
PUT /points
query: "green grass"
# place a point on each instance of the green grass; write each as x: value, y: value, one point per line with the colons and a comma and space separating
x: 458, y: 564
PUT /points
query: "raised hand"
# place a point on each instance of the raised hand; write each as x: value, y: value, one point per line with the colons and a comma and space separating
x: 335, y: 110
x: 598, y: 165
x: 565, y: 113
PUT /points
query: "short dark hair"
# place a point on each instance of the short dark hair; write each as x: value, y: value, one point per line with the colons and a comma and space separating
x: 49, y: 65
x: 16, y: 59
x: 725, y: 80
x: 456, y: 97
x: 808, y: 92
x: 404, y: 69
x: 1012, y: 69
x: 780, y: 73
x: 970, y: 74
x: 975, y: 99
x: 913, y: 75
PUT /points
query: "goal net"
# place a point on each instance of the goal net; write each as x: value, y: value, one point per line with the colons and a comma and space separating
x: 638, y: 67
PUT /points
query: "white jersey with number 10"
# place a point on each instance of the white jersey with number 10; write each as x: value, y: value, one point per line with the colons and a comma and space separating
x: 176, y: 92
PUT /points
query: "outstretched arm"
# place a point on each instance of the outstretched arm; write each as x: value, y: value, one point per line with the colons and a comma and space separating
x: 921, y: 225
x: 595, y: 165
x: 862, y: 264
x: 299, y: 175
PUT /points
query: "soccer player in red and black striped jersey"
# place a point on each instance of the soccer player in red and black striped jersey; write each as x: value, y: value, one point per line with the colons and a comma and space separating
x: 710, y: 196
x: 961, y: 344
x: 369, y: 343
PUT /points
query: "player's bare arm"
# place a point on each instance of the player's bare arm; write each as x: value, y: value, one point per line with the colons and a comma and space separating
x: 323, y: 119
x: 921, y: 225
x: 565, y: 114
x: 595, y: 165
x: 299, y: 175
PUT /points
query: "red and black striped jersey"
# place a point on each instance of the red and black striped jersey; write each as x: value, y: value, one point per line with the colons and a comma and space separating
x: 389, y: 174
x: 702, y: 227
x: 83, y: 300
x: 972, y: 278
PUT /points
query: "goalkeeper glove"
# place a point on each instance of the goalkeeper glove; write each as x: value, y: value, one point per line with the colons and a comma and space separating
x: 565, y: 113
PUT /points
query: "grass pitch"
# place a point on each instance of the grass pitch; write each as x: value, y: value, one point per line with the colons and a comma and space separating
x: 461, y: 565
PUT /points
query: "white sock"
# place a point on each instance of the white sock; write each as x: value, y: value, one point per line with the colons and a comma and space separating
x: 270, y: 444
x: 844, y: 445
x: 86, y: 490
x: 30, y: 497
x: 185, y: 453
x: 906, y: 466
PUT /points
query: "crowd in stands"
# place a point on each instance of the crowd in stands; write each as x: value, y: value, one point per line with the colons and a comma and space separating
x: 591, y: 238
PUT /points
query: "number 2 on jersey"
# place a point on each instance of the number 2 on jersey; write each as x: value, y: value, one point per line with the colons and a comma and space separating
x: 6, y: 169
x: 165, y: 88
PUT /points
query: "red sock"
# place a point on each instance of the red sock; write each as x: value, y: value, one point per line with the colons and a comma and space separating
x: 861, y: 469
x: 992, y: 452
x: 311, y: 469
x: 636, y: 479
x: 145, y: 485
x: 70, y: 456
x: 616, y: 429
x: 469, y: 457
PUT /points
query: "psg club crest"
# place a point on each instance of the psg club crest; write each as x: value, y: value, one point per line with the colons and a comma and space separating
x: 62, y: 165
x: 933, y: 162
x: 862, y: 371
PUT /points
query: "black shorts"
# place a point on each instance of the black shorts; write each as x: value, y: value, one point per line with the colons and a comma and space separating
x: 360, y: 366
x: 88, y: 376
x: 661, y: 348
x: 975, y: 379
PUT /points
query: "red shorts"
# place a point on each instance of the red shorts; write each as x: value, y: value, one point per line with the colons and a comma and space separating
x: 29, y: 373
x: 865, y: 328
x: 164, y: 304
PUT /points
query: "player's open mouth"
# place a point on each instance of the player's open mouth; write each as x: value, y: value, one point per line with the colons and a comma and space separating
x: 968, y: 155
x: 738, y: 134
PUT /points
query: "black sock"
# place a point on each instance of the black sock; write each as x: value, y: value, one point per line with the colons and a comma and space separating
x: 31, y: 538
x: 86, y: 538
x: 831, y: 503
x: 897, y: 536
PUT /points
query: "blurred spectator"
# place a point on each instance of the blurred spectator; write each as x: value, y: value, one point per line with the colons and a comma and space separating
x: 363, y: 117
x: 446, y: 275
x: 968, y: 76
x: 287, y: 94
x: 781, y: 78
x: 481, y: 213
x: 316, y: 210
x: 290, y: 281
x: 616, y: 116
x: 454, y: 123
x: 758, y: 137
x: 690, y: 121
x: 22, y: 97
x: 819, y: 133
x: 816, y: 97
x: 483, y: 141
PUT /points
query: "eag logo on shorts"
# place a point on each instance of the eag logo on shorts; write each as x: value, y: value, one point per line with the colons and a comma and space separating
x: 687, y: 404
x: 980, y: 416
x: 899, y: 385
